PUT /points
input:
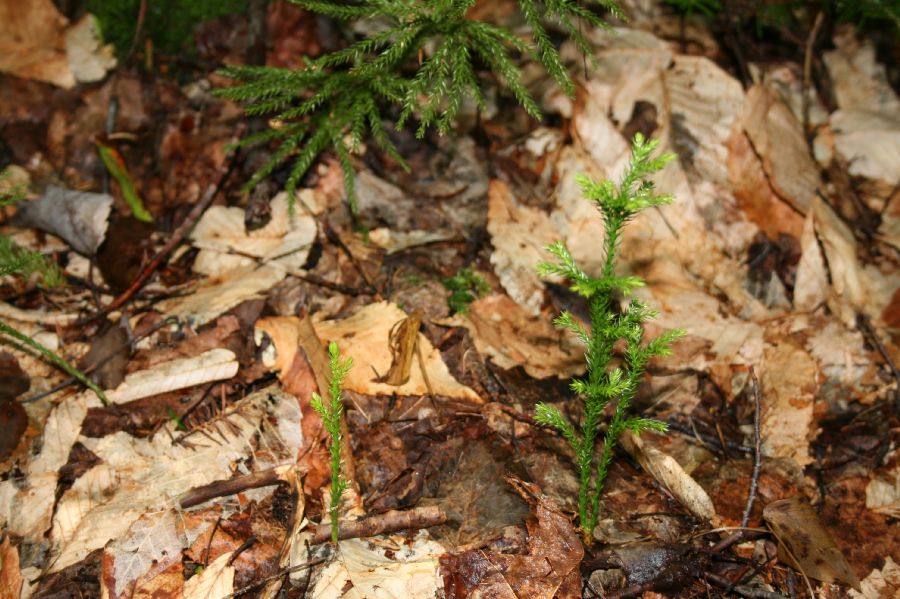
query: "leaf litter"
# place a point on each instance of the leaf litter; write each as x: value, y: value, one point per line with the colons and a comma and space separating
x: 767, y: 260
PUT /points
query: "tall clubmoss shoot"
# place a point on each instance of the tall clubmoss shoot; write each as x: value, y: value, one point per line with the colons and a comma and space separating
x: 604, y: 385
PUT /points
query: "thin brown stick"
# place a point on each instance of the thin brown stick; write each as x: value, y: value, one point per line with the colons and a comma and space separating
x: 220, y: 488
x: 282, y: 572
x: 388, y: 522
x: 807, y: 66
x: 174, y: 241
x: 757, y: 448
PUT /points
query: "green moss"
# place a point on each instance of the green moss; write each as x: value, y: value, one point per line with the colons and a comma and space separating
x: 169, y: 23
x: 464, y: 287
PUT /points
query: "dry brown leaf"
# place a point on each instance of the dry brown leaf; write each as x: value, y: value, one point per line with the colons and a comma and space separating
x: 402, y: 343
x: 788, y: 378
x: 519, y: 235
x: 550, y: 569
x: 668, y: 472
x: 504, y: 331
x: 32, y: 42
x: 805, y: 544
x: 10, y: 575
x: 365, y: 337
x: 777, y: 138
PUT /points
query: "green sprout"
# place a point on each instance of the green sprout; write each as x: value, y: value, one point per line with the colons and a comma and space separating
x: 331, y: 411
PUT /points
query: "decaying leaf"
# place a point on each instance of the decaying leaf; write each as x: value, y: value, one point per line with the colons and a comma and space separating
x: 26, y: 505
x: 788, y: 377
x: 550, y: 569
x: 777, y: 137
x: 519, y: 235
x: 382, y: 569
x: 146, y: 560
x: 883, y: 493
x: 210, y: 301
x: 226, y: 246
x: 140, y: 475
x: 805, y: 544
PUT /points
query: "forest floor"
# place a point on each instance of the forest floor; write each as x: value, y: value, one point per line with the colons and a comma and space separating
x: 205, y: 474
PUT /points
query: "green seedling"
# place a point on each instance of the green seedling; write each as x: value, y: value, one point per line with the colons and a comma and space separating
x: 464, y: 287
x: 331, y: 411
x: 606, y: 385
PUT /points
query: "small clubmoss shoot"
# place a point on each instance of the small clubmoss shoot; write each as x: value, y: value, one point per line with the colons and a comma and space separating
x: 331, y: 411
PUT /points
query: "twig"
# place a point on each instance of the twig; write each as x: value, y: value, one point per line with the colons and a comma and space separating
x: 282, y: 572
x: 388, y: 522
x: 174, y: 241
x: 757, y: 448
x: 807, y: 66
x: 209, y: 542
x: 219, y: 488
x: 862, y: 321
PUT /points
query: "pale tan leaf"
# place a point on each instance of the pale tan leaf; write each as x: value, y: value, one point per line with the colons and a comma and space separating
x: 362, y: 569
x: 214, y: 299
x: 365, y: 337
x: 777, y: 137
x: 226, y: 246
x: 214, y: 582
x: 214, y: 365
x: 883, y: 583
x: 668, y: 472
x: 132, y: 563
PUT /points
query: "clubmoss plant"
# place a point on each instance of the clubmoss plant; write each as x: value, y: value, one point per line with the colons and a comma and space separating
x: 604, y: 384
x: 464, y: 287
x: 20, y: 262
x: 424, y: 59
x: 331, y: 412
